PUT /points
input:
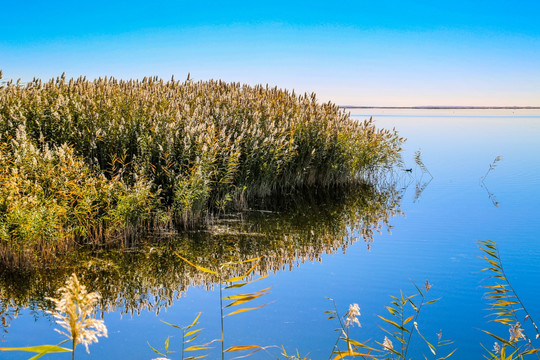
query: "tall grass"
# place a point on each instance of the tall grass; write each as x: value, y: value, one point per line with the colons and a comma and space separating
x: 50, y: 198
x: 507, y: 309
x: 150, y: 152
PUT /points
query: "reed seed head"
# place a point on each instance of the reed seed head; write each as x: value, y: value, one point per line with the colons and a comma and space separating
x: 428, y: 285
x: 387, y: 344
x: 354, y: 311
x: 496, y: 348
x: 516, y: 332
x: 75, y: 312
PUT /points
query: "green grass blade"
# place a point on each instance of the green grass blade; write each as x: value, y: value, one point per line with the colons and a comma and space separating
x: 38, y: 349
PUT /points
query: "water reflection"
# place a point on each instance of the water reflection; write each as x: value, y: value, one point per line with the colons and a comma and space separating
x: 492, y: 166
x: 419, y: 175
x: 286, y: 232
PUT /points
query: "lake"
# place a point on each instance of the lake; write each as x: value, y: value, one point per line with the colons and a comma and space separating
x: 328, y: 246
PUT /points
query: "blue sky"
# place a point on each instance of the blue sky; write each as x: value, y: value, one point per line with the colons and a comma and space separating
x: 358, y: 53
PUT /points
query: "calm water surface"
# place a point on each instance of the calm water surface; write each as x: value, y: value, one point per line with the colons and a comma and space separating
x: 311, y: 253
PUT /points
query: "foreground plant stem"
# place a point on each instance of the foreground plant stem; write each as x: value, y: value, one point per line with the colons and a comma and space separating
x: 221, y: 314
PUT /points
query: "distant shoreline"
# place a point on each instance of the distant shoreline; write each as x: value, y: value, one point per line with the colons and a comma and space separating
x: 444, y: 107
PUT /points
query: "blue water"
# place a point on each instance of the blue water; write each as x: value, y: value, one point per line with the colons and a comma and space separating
x: 435, y: 239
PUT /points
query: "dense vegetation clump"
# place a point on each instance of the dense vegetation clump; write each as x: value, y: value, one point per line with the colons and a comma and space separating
x: 86, y: 159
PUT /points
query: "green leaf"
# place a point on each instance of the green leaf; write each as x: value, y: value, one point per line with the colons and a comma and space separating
x: 45, y: 349
x: 35, y: 357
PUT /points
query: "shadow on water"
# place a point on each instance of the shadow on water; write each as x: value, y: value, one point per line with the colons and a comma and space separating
x: 149, y: 276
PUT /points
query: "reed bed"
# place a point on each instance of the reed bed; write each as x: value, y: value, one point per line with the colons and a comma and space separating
x: 90, y: 161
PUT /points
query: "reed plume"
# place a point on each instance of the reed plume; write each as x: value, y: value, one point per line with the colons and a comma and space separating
x: 75, y: 312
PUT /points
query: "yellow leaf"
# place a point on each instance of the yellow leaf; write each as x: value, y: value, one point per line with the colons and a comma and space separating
x: 197, y: 266
x: 350, y: 353
x: 192, y: 332
x: 196, y: 347
x: 393, y: 323
x: 245, y: 299
x: 240, y: 296
x: 194, y: 321
x: 241, y: 277
x: 245, y: 309
x: 242, y: 347
x: 245, y: 283
x: 250, y: 260
x: 408, y: 319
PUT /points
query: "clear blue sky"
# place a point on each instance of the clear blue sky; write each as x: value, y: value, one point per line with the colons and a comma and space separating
x: 358, y: 53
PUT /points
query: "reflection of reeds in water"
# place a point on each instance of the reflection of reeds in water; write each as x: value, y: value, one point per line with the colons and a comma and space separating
x: 492, y: 167
x: 401, y: 323
x: 419, y: 175
x: 8, y: 312
x: 421, y: 184
x: 150, y: 277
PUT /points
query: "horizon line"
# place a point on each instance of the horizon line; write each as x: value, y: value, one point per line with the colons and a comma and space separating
x: 444, y: 107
